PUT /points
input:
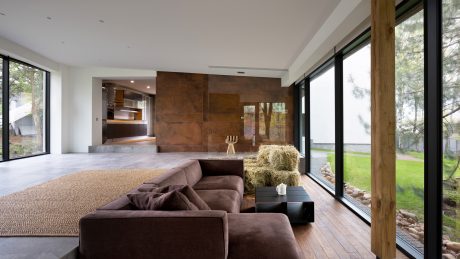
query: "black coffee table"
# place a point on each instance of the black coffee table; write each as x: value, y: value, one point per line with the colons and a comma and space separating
x: 296, y: 204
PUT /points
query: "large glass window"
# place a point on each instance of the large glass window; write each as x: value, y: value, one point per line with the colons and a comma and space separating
x: 322, y: 126
x: 302, y: 119
x: 410, y: 130
x: 356, y: 127
x: 451, y: 126
x: 410, y: 135
x: 26, y: 110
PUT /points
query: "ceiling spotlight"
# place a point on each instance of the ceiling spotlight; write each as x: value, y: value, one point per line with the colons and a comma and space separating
x: 148, y: 87
x: 132, y: 81
x: 101, y: 21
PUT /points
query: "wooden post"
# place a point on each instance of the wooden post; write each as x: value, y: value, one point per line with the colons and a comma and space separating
x: 383, y: 224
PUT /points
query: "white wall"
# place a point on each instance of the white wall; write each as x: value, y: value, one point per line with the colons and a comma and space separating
x: 58, y: 74
x: 76, y: 96
x: 96, y: 131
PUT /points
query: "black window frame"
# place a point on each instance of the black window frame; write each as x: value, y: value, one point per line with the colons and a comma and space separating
x: 432, y: 10
x: 6, y: 113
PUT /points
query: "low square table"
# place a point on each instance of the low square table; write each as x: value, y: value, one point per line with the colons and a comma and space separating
x: 296, y: 204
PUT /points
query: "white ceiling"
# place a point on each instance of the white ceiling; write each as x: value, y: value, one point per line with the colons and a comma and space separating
x: 138, y: 85
x: 262, y: 37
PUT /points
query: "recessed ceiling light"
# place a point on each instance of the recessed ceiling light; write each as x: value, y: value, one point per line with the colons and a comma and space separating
x: 49, y: 17
x: 148, y: 87
x: 132, y: 81
x: 101, y: 21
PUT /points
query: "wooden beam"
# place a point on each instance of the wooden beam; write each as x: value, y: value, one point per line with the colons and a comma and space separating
x: 383, y: 219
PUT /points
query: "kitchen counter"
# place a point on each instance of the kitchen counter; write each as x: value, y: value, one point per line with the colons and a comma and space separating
x: 125, y: 128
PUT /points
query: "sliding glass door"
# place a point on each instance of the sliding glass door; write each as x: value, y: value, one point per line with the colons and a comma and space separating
x: 427, y: 127
x: 410, y: 128
x: 322, y: 126
x: 302, y: 119
x: 451, y: 126
x: 357, y: 127
x: 26, y: 110
x: 25, y: 125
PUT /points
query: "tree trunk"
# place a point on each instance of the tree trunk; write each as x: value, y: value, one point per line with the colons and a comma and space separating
x: 36, y: 97
x: 267, y: 109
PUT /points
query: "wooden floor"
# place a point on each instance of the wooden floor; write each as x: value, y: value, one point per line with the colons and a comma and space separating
x: 336, y: 232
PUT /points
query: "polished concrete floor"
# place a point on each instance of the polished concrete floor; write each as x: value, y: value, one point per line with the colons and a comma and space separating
x: 19, y: 174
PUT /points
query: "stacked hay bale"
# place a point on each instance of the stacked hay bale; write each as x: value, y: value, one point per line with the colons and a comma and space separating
x: 274, y: 164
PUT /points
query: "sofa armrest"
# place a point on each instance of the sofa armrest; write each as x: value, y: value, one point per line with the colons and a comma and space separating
x: 154, y: 234
x: 212, y: 167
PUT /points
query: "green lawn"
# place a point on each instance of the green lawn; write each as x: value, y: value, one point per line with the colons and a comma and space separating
x: 409, y: 179
x: 409, y: 183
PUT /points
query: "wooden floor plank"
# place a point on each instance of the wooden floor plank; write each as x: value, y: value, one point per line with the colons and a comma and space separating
x: 336, y: 233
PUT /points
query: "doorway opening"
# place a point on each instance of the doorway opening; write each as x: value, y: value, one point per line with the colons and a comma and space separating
x: 128, y: 112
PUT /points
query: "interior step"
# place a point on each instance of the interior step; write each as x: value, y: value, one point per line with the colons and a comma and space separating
x: 123, y: 149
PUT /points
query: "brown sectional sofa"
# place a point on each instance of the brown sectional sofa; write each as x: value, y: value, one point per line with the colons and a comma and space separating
x: 118, y: 230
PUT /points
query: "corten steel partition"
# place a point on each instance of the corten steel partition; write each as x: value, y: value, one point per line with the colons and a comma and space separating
x: 195, y: 112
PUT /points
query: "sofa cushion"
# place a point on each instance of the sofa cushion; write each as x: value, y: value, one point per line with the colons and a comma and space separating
x: 261, y: 235
x: 146, y: 234
x: 143, y: 187
x: 228, y: 182
x: 192, y: 171
x: 227, y: 200
x: 188, y: 191
x: 173, y: 200
x: 175, y: 176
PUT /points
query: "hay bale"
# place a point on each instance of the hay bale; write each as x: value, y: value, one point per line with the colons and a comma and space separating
x: 284, y: 158
x: 275, y: 164
x: 256, y: 176
x: 263, y: 154
x: 248, y: 162
x: 290, y: 178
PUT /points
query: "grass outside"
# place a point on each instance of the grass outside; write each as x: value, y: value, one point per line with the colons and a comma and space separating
x: 409, y: 178
x: 409, y: 184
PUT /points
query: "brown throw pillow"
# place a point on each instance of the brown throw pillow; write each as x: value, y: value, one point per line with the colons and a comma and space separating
x: 173, y: 200
x: 188, y: 191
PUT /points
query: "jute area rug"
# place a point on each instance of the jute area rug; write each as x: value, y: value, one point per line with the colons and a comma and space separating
x: 55, y: 207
